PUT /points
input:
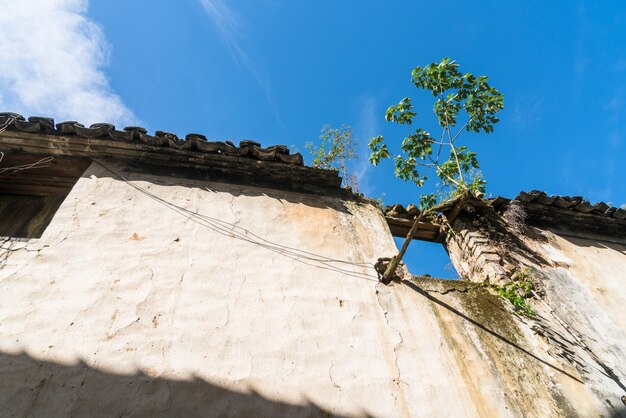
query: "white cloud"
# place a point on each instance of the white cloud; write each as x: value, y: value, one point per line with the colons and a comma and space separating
x: 51, y: 60
x: 228, y: 27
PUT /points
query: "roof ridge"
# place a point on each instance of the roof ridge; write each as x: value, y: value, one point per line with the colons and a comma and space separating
x: 573, y: 203
x: 192, y: 141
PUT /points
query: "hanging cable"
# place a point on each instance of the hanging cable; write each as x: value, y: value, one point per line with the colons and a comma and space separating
x: 240, y: 233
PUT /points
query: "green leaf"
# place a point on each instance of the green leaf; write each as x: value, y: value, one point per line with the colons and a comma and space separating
x: 460, y: 99
x: 401, y: 113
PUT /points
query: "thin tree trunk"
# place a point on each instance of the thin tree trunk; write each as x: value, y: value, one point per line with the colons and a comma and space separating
x: 393, y: 264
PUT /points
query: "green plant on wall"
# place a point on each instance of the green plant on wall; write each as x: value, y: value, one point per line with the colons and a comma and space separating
x: 335, y: 149
x: 463, y: 103
x: 517, y: 291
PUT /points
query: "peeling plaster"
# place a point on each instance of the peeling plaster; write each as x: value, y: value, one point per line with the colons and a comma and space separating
x: 296, y: 325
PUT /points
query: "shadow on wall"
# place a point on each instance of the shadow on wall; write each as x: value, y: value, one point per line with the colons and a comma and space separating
x: 479, y: 325
x: 35, y: 388
x: 486, y: 321
x: 615, y: 243
x: 251, y: 186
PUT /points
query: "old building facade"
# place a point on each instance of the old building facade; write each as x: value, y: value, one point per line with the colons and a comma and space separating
x: 145, y: 275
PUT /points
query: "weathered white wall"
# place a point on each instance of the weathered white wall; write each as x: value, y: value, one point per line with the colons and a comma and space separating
x: 579, y: 302
x: 585, y: 287
x: 127, y: 306
x: 596, y: 268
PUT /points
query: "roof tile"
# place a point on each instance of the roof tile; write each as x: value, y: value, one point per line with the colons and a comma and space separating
x: 576, y: 203
x: 192, y: 142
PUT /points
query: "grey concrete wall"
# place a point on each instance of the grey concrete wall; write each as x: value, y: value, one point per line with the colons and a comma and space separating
x: 188, y: 298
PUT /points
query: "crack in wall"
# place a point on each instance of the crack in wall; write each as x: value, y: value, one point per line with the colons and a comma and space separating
x: 226, y: 322
x: 186, y: 270
x: 6, y: 251
x: 179, y: 290
x: 36, y: 391
x: 76, y: 223
x: 330, y: 376
x: 230, y: 206
x: 111, y: 336
x: 398, y: 379
x: 241, y: 284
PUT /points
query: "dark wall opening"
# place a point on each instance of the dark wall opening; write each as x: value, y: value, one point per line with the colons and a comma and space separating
x: 32, y: 188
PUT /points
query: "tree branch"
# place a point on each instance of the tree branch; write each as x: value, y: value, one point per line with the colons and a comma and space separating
x: 456, y: 157
x: 441, y: 171
x: 458, y: 164
x: 461, y: 130
x: 393, y: 264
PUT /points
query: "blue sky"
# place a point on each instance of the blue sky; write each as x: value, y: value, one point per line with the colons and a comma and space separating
x: 277, y: 70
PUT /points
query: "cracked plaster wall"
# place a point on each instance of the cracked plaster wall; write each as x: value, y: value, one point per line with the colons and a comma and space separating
x: 584, y: 287
x: 579, y: 325
x: 142, y: 291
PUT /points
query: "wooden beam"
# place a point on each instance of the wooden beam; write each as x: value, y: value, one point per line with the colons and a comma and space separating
x: 294, y: 177
x: 575, y: 223
x: 426, y: 231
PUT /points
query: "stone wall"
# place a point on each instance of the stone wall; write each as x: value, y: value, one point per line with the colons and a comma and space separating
x: 578, y: 293
x: 160, y: 296
x: 473, y: 254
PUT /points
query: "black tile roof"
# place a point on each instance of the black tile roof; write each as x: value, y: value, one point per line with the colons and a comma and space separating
x: 137, y: 134
x: 572, y: 203
x: 566, y: 213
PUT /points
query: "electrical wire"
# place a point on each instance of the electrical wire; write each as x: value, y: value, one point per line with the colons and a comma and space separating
x: 234, y: 231
x: 7, y: 171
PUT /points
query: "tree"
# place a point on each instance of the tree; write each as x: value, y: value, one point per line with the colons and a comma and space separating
x: 335, y: 150
x: 456, y: 96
